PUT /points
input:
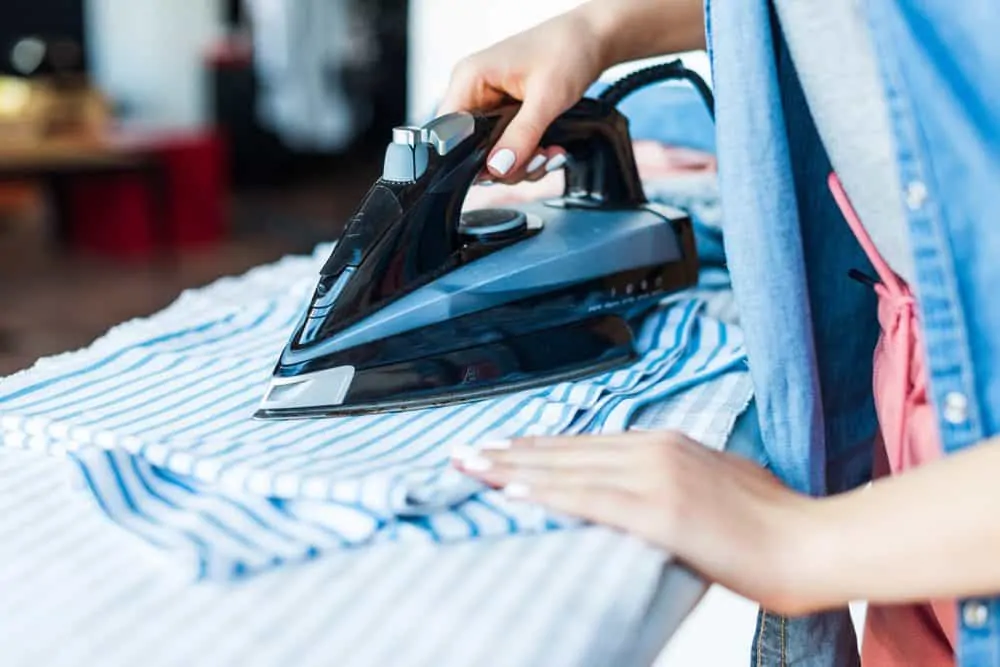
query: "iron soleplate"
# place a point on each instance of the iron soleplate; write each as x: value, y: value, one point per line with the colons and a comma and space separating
x: 509, y: 365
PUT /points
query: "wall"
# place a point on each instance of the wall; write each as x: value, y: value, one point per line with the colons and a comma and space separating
x: 443, y: 31
x: 147, y: 54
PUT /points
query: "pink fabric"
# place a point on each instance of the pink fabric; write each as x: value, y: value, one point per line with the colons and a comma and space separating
x: 910, y: 635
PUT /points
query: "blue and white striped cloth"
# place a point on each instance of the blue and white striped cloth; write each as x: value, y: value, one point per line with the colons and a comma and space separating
x: 156, y: 417
x: 78, y: 593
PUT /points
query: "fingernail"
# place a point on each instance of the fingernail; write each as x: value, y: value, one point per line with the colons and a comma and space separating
x: 471, y: 459
x: 462, y: 452
x: 516, y: 490
x: 502, y: 161
x: 476, y: 464
x: 495, y: 444
x: 486, y: 183
x: 536, y: 162
x: 556, y: 161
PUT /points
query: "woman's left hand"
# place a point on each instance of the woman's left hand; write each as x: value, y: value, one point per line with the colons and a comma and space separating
x: 724, y: 516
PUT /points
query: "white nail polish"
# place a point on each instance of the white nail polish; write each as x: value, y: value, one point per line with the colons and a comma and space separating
x: 495, y: 444
x: 471, y: 459
x: 516, y: 490
x: 477, y: 463
x: 536, y: 163
x: 486, y: 183
x: 557, y: 161
x: 463, y: 452
x: 502, y: 161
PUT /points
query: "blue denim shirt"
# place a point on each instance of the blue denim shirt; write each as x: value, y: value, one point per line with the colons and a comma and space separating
x: 810, y: 331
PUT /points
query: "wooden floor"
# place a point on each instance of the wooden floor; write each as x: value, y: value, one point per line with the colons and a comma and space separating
x: 53, y: 301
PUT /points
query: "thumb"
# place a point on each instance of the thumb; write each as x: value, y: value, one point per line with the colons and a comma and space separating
x: 520, y: 139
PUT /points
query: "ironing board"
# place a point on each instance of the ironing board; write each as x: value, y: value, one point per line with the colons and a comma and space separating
x: 572, y: 598
x: 76, y: 593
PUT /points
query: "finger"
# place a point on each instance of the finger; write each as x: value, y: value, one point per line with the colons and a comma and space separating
x: 463, y: 89
x: 537, y: 176
x: 469, y: 90
x: 597, y: 504
x: 518, y: 143
x: 582, y: 440
x: 472, y: 98
x: 610, y: 456
x: 538, y: 167
x: 601, y: 457
x: 502, y: 476
x: 535, y: 167
x: 457, y: 98
x: 557, y: 159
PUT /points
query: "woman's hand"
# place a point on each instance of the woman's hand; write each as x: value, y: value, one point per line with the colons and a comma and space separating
x: 930, y: 534
x: 724, y: 516
x: 547, y: 68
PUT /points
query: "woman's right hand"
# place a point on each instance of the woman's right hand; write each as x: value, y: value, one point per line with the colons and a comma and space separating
x: 548, y: 69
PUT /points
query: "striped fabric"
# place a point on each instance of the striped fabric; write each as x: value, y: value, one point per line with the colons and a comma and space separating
x: 76, y: 594
x: 161, y: 435
x: 155, y: 418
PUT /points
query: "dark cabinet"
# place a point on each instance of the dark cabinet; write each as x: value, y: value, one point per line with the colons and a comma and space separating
x: 59, y: 23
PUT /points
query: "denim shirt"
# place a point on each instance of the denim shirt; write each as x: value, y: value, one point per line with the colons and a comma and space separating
x: 810, y: 331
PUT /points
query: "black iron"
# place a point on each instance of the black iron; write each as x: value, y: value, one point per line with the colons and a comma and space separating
x: 407, y: 234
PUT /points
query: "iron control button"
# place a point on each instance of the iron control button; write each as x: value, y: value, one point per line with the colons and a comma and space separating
x: 448, y: 131
x: 956, y: 407
x: 406, y: 157
x: 407, y: 136
x: 403, y: 163
x: 492, y: 223
x: 975, y: 614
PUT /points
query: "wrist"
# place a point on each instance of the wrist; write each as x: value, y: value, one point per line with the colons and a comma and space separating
x: 627, y: 30
x: 807, y: 545
x: 605, y: 26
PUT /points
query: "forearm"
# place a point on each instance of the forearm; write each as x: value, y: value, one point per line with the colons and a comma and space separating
x: 931, y: 533
x: 634, y: 29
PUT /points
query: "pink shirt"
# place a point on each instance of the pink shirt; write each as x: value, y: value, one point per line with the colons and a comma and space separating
x: 919, y: 634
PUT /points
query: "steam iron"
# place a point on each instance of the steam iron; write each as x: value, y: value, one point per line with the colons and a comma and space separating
x: 423, y: 305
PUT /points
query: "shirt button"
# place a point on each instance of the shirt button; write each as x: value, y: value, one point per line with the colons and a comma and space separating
x: 975, y: 615
x: 956, y: 407
x: 916, y: 195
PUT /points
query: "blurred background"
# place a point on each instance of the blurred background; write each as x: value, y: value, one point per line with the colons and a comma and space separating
x: 148, y: 147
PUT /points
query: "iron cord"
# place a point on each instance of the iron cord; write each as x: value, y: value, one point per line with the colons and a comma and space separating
x: 673, y: 70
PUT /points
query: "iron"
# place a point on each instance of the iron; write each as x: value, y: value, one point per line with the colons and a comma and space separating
x: 421, y: 304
